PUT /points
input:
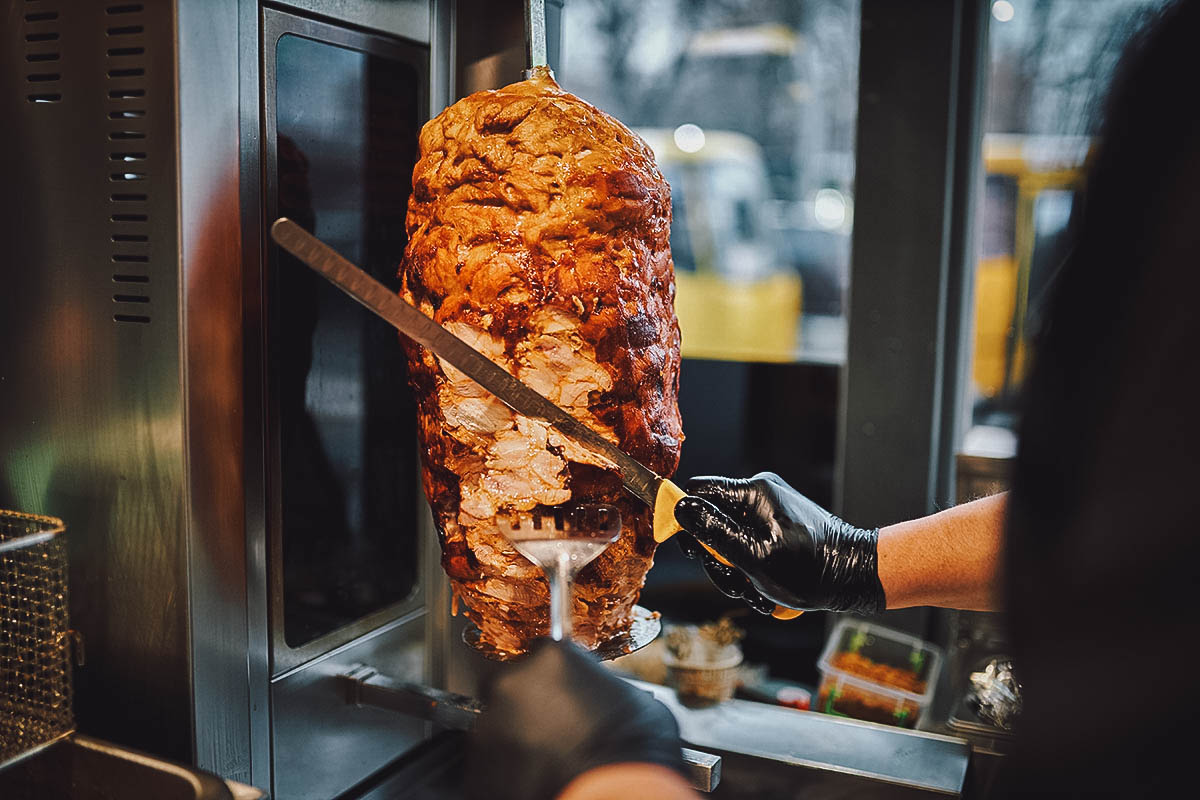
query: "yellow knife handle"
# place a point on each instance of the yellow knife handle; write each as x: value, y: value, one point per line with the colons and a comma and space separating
x: 666, y: 526
x: 785, y: 613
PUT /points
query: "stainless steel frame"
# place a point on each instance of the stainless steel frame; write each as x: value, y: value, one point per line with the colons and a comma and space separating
x: 319, y: 745
x: 276, y: 24
x: 210, y: 274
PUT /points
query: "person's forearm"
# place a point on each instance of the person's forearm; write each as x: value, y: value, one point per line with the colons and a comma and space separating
x: 629, y: 782
x: 950, y: 559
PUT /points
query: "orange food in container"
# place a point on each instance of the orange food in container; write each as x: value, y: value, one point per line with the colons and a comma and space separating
x: 873, y: 673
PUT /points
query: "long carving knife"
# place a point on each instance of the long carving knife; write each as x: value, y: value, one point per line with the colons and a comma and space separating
x: 659, y: 493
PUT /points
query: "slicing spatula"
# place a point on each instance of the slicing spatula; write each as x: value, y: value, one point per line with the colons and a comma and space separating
x: 562, y: 544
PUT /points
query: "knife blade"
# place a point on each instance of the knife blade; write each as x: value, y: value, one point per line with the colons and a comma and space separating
x: 639, y: 480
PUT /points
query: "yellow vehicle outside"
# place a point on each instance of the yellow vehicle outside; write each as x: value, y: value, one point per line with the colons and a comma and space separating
x: 734, y: 298
x: 1035, y: 165
x: 738, y: 320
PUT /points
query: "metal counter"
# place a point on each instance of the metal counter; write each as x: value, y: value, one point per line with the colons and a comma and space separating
x: 879, y: 753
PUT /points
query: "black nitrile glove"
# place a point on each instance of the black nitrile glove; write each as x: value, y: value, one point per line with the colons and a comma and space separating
x: 557, y: 714
x: 731, y: 581
x: 787, y: 549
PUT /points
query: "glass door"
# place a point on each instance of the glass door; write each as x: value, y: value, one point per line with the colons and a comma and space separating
x: 342, y: 113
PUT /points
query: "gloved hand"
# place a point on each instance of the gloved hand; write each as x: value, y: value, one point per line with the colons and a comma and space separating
x: 557, y: 714
x: 785, y: 548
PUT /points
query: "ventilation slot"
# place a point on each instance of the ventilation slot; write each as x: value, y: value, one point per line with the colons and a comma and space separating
x: 128, y: 216
x: 39, y: 30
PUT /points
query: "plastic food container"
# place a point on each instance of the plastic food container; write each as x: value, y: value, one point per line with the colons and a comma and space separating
x: 873, y: 673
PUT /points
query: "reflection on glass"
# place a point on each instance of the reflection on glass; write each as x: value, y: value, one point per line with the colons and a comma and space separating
x: 346, y: 137
x: 1028, y: 196
x: 1050, y: 64
x: 751, y: 117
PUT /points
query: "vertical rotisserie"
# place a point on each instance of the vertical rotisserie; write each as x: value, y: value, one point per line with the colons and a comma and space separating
x: 539, y: 232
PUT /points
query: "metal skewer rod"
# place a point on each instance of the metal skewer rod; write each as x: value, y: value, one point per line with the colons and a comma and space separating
x: 535, y: 35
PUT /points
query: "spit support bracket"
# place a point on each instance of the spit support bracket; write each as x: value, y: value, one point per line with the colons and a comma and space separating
x: 365, y: 686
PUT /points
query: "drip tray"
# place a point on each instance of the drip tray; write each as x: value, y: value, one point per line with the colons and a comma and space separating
x: 80, y: 768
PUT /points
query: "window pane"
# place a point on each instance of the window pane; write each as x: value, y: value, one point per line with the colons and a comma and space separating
x: 346, y: 129
x: 1050, y: 65
x: 750, y: 108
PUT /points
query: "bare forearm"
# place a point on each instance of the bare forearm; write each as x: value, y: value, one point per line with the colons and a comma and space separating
x: 950, y: 559
x: 628, y: 782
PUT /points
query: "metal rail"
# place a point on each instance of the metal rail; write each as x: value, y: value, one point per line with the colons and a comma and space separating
x: 364, y: 686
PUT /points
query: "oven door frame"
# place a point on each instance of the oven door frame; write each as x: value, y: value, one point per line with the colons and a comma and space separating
x: 275, y: 25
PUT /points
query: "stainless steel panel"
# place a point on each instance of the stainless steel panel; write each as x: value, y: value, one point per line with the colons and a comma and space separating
x: 821, y: 742
x: 433, y: 771
x: 407, y: 18
x: 90, y: 391
x: 490, y: 43
x: 258, y: 652
x: 323, y: 744
x: 210, y: 253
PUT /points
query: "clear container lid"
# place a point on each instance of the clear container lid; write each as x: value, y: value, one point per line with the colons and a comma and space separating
x: 883, y: 646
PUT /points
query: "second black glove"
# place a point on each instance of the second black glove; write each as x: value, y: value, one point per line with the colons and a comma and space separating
x: 557, y: 714
x: 791, y: 551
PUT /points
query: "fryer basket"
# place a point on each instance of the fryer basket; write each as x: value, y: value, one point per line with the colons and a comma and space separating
x: 35, y: 638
